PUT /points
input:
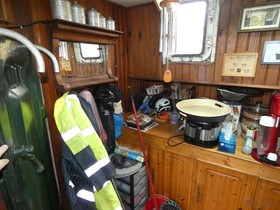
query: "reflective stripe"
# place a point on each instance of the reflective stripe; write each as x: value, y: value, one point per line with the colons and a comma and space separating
x: 95, y: 167
x: 87, y: 195
x: 71, y: 184
x: 88, y: 131
x: 70, y: 133
x: 119, y: 208
x: 106, y: 183
x: 68, y: 102
x: 103, y: 162
x: 92, y: 169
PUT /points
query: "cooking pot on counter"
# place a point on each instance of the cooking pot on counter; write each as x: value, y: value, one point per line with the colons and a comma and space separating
x: 203, y: 119
x: 251, y: 115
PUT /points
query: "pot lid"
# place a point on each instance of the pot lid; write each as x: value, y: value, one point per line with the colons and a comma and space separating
x: 203, y: 108
x: 257, y: 108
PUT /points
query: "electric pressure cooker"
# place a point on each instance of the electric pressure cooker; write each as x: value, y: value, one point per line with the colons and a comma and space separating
x: 203, y: 119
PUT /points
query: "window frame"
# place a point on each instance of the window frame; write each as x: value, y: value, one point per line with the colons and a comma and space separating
x: 209, y: 42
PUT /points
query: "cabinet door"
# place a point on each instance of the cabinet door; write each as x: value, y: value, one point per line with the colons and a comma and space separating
x: 171, y: 174
x: 267, y: 195
x: 219, y: 188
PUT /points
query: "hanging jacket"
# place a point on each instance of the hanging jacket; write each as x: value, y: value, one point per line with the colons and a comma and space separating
x: 90, y: 99
x: 95, y: 170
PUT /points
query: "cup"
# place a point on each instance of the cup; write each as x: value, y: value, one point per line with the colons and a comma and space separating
x: 174, y: 117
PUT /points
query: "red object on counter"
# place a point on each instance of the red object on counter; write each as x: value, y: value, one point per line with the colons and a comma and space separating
x: 273, y: 133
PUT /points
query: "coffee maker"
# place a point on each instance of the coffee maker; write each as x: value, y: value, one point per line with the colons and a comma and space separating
x: 270, y: 156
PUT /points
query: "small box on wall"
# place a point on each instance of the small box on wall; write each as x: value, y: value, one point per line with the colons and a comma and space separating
x: 240, y: 64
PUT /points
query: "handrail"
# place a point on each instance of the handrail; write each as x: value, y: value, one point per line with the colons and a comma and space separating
x: 20, y: 38
x: 51, y: 56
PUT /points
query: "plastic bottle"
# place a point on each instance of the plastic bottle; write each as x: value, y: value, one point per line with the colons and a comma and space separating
x: 264, y: 134
x: 248, y: 141
x: 247, y: 147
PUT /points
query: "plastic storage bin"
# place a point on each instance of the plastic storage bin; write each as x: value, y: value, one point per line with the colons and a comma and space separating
x: 133, y: 189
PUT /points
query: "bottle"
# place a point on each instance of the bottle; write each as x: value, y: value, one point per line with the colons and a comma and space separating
x: 248, y: 141
x: 264, y: 134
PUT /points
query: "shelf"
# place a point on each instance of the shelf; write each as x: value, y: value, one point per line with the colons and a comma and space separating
x: 62, y: 30
x: 77, y: 82
x: 70, y: 31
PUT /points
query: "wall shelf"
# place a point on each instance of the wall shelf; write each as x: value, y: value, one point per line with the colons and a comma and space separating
x: 62, y: 30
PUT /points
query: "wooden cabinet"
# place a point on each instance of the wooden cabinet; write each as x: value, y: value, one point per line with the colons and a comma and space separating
x: 171, y: 173
x: 199, y: 178
x: 83, y: 75
x: 267, y: 195
x: 216, y: 187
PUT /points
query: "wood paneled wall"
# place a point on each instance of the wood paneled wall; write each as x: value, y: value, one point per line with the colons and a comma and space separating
x: 139, y: 62
x: 26, y: 17
x: 144, y: 59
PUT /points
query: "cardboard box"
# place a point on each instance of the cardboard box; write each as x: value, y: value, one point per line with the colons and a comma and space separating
x: 227, y: 145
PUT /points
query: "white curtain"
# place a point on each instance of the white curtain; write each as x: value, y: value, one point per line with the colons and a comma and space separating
x: 168, y: 33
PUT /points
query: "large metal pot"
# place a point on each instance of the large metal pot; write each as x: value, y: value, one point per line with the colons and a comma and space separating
x: 203, y: 110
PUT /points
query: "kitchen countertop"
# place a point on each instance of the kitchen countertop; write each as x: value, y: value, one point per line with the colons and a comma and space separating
x: 238, y: 161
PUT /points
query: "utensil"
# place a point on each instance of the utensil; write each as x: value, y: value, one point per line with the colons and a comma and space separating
x: 167, y: 76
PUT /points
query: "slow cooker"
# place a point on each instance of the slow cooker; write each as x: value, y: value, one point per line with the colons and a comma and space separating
x: 203, y: 119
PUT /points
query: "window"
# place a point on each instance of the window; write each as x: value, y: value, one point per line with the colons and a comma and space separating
x: 88, y: 53
x: 89, y: 50
x: 189, y: 31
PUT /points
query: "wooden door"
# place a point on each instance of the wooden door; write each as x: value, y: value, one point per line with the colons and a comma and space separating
x: 219, y: 188
x: 267, y: 195
x: 171, y: 174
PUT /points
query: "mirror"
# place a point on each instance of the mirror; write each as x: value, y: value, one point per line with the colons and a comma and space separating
x: 82, y: 59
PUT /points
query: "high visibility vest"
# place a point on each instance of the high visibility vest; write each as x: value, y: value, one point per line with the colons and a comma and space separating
x: 81, y: 138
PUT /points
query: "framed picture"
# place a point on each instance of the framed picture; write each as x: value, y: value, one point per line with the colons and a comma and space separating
x: 240, y: 64
x: 271, y: 52
x: 261, y: 17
